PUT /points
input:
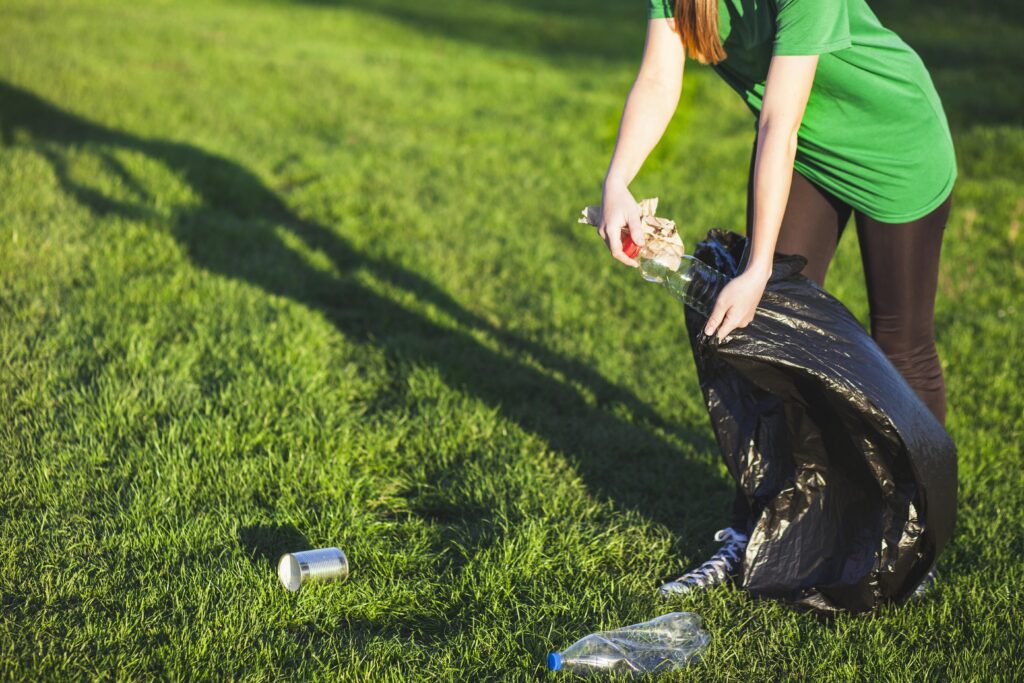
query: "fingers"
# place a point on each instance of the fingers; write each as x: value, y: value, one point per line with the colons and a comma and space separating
x: 636, y: 228
x: 613, y: 238
x: 723, y: 320
x: 716, y: 318
x: 735, y: 307
x: 730, y: 323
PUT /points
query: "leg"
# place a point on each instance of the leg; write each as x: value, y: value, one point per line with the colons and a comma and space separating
x: 812, y: 225
x: 901, y: 268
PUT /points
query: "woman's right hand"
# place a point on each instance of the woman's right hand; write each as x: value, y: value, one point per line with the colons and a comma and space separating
x: 619, y: 211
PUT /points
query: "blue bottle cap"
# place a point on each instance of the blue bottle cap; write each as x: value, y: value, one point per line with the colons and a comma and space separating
x: 554, y: 661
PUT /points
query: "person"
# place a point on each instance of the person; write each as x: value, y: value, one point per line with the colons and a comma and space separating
x: 848, y: 122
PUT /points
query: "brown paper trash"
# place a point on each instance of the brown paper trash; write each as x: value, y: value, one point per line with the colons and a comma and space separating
x: 654, y: 227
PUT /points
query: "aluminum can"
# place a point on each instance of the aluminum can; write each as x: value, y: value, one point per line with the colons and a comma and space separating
x: 322, y: 564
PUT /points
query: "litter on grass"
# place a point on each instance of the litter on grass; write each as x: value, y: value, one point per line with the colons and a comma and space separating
x: 663, y: 644
x: 323, y: 564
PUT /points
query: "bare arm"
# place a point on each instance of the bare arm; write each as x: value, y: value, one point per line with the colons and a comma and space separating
x: 786, y: 91
x: 651, y: 103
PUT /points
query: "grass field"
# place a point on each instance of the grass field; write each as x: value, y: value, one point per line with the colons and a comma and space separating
x: 281, y: 275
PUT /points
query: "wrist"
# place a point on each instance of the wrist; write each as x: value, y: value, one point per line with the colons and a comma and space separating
x: 761, y: 270
x: 614, y: 180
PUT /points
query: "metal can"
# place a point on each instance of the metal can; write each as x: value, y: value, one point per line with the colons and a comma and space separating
x: 322, y: 564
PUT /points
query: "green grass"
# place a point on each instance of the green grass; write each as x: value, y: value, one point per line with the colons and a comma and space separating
x: 283, y: 275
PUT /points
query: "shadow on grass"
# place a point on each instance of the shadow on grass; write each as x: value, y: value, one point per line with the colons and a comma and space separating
x: 557, y: 29
x: 972, y: 50
x: 236, y: 231
x: 268, y: 542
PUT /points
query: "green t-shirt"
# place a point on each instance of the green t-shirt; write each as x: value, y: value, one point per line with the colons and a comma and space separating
x: 874, y: 133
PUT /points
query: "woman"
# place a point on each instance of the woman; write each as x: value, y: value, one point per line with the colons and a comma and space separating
x: 848, y: 122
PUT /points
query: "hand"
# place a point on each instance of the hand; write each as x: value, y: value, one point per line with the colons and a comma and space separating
x: 619, y: 211
x: 737, y: 303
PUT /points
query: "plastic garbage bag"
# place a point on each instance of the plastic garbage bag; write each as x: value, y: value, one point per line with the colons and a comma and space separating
x: 851, y: 481
x: 662, y: 644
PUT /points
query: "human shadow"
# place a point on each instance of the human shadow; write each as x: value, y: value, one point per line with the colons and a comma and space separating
x: 235, y: 231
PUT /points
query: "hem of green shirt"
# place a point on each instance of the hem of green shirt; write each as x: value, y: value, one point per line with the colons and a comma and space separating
x: 881, y: 217
x: 820, y: 49
x: 659, y: 14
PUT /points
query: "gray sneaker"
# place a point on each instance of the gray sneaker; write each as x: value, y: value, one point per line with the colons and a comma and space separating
x: 926, y: 586
x: 719, y: 568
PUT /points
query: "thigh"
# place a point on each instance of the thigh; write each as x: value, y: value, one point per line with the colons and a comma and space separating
x: 901, y: 271
x: 811, y: 226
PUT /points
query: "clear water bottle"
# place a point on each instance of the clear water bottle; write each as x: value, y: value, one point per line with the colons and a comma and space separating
x: 663, y: 644
x: 690, y: 280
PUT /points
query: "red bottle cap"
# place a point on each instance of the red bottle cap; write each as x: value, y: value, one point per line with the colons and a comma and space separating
x: 629, y: 247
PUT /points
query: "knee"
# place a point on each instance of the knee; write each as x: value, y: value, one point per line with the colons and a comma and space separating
x: 917, y: 362
x: 922, y: 370
x: 906, y: 343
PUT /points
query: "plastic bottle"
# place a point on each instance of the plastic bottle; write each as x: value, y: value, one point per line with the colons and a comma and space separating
x: 690, y: 280
x: 662, y: 644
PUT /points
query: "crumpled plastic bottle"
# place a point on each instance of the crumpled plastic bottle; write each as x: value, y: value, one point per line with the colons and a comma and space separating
x: 662, y: 644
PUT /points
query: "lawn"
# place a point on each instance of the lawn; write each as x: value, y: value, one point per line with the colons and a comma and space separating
x: 278, y: 275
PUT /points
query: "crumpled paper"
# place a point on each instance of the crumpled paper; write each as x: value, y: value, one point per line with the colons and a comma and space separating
x: 654, y: 227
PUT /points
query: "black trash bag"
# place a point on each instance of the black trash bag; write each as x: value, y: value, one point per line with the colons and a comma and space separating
x: 851, y: 480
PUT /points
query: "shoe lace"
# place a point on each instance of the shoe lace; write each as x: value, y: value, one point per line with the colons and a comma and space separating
x: 721, y: 564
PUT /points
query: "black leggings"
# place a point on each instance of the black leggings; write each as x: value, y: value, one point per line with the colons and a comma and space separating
x: 901, y: 270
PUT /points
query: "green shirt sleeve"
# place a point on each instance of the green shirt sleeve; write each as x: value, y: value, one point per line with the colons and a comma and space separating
x: 811, y: 27
x: 660, y: 9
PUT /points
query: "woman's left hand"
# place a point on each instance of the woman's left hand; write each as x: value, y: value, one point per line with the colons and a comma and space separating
x: 737, y: 303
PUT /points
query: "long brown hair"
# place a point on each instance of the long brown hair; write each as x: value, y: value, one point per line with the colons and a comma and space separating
x: 697, y: 21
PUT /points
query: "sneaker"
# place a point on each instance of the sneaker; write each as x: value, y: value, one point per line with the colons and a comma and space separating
x: 925, y: 587
x: 719, y: 568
